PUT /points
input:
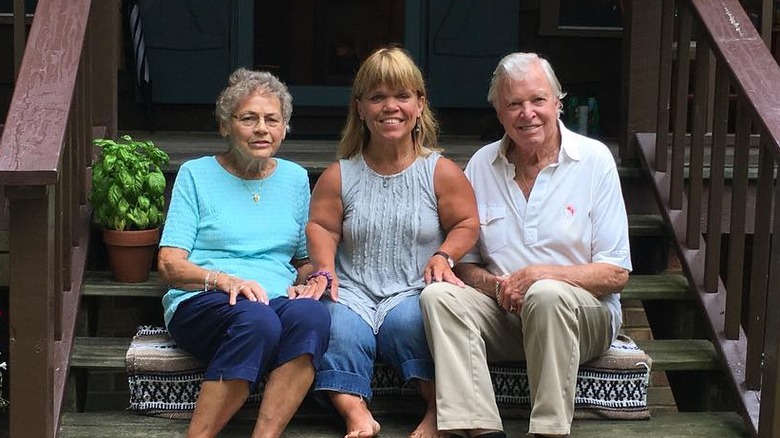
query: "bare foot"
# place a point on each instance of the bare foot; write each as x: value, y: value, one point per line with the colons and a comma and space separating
x: 362, y: 430
x: 427, y: 427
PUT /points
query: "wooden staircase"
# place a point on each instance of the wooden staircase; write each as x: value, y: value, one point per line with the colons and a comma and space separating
x: 654, y: 286
x: 59, y: 100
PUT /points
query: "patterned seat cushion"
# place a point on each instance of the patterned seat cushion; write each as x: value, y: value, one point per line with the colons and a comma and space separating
x: 165, y: 381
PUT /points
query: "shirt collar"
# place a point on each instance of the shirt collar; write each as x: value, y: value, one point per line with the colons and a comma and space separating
x: 569, y: 146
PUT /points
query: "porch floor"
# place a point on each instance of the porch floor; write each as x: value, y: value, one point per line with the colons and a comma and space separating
x: 668, y: 425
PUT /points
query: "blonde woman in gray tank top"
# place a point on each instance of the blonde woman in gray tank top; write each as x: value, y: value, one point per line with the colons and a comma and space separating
x: 391, y: 216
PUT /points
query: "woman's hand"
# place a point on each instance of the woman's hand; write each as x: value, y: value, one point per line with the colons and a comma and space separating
x: 438, y: 269
x: 316, y: 286
x: 249, y: 288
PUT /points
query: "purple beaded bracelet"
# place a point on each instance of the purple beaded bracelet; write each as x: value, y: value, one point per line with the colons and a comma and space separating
x: 325, y: 274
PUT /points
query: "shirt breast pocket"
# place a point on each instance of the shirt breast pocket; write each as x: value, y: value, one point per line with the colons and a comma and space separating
x: 492, y: 227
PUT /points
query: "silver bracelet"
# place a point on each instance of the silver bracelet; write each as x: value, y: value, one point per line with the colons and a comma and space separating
x: 206, y: 281
x: 216, y: 277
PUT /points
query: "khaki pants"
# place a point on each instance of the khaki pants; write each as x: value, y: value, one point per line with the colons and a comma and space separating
x: 560, y: 326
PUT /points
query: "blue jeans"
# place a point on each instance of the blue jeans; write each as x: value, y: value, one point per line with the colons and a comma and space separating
x: 348, y: 363
x: 247, y: 340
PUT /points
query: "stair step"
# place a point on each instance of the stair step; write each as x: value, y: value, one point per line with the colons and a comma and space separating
x: 657, y: 287
x: 681, y: 354
x: 118, y: 424
x: 667, y: 355
x: 99, y: 352
x: 314, y: 154
x: 97, y: 283
x: 640, y: 287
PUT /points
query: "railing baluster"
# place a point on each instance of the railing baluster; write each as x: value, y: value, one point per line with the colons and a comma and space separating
x: 664, y: 85
x: 679, y: 138
x: 759, y: 268
x: 701, y: 94
x: 769, y: 414
x: 736, y: 248
x: 717, y: 162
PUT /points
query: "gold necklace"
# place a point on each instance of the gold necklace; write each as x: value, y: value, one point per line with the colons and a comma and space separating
x: 255, y: 193
x: 394, y: 168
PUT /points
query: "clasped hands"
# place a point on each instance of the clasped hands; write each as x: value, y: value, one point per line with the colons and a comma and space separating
x: 317, y: 283
x: 510, y: 289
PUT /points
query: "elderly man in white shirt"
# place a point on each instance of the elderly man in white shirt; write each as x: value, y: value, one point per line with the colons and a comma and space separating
x: 545, y: 276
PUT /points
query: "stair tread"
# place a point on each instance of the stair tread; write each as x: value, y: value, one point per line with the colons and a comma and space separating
x: 667, y: 355
x: 119, y: 424
x: 315, y: 154
x: 645, y: 287
x: 681, y: 354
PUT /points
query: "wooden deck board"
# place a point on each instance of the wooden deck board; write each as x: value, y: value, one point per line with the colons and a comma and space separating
x: 314, y: 155
x: 643, y: 287
x: 667, y: 355
x: 667, y: 425
x: 681, y: 354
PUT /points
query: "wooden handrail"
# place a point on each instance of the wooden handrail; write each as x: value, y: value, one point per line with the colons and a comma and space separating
x: 32, y: 157
x: 753, y: 68
x: 45, y: 155
x: 736, y: 96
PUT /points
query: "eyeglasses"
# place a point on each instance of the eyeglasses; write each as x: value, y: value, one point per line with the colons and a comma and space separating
x: 251, y: 120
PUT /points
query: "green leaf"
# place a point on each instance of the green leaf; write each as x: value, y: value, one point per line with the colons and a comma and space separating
x: 128, y: 185
x: 123, y: 207
x: 143, y: 202
x: 108, y: 161
x: 115, y: 195
x: 156, y: 183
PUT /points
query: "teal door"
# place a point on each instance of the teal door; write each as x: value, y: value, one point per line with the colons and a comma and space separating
x: 193, y: 45
x: 466, y: 39
x: 315, y: 45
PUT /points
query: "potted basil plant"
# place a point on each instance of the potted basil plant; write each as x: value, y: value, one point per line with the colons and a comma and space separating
x: 128, y: 202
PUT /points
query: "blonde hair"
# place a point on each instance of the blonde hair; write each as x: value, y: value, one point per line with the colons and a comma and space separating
x: 394, y: 68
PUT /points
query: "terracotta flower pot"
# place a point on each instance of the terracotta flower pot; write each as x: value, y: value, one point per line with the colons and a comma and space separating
x: 130, y: 253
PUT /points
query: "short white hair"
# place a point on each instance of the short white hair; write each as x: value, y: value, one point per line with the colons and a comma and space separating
x: 516, y: 66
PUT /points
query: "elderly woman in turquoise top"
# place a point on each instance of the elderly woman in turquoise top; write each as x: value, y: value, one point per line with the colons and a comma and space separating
x: 233, y: 248
x: 391, y: 216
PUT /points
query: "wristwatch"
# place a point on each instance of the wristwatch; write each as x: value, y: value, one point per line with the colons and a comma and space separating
x: 446, y: 257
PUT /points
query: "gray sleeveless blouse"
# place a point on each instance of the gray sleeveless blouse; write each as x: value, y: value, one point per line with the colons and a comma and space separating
x: 389, y: 232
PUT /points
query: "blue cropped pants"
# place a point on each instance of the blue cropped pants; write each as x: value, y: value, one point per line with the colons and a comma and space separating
x: 249, y: 339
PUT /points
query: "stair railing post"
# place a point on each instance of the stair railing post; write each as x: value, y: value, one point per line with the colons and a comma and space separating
x: 31, y: 311
x: 641, y: 47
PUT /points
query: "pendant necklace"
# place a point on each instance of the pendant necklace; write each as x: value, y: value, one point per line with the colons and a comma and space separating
x: 255, y: 193
x: 387, y: 177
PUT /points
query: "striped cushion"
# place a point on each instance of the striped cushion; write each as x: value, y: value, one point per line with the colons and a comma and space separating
x: 165, y: 381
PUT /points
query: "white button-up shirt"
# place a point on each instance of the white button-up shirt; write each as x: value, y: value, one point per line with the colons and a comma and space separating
x: 575, y: 214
